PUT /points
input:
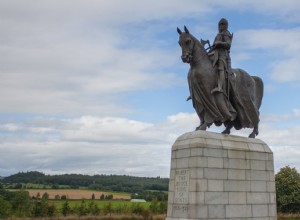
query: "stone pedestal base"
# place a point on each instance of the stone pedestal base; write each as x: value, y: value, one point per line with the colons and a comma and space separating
x: 216, y: 176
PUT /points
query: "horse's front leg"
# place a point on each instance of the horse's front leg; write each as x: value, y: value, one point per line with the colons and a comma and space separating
x: 254, y: 132
x: 203, y: 126
x: 228, y: 128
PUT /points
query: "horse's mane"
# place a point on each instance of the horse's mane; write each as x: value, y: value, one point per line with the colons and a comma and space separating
x: 197, y: 41
x: 200, y: 46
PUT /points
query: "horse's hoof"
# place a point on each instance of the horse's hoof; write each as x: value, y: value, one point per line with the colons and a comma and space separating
x: 225, y: 132
x: 201, y: 127
x: 252, y: 135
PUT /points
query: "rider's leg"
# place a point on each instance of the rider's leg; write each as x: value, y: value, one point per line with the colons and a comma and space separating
x: 221, y: 81
x: 221, y: 78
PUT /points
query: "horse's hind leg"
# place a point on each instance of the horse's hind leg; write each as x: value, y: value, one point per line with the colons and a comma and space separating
x: 228, y: 128
x: 254, y: 132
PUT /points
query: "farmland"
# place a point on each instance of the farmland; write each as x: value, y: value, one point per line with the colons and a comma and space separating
x: 76, y: 194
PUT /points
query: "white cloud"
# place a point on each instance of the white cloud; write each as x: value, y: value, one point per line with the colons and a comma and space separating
x: 89, y: 128
x: 296, y: 113
x: 10, y: 127
x: 96, y: 145
x: 87, y: 145
x: 279, y: 10
x: 286, y: 156
x: 287, y: 70
x: 267, y: 39
x: 282, y: 44
x: 60, y: 59
x: 92, y: 145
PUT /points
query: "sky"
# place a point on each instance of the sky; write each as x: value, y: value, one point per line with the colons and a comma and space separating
x: 98, y: 87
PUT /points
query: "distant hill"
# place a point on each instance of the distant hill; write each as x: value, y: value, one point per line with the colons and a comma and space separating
x: 117, y: 183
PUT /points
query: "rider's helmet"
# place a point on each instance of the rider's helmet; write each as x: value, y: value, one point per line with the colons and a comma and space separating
x: 223, y: 24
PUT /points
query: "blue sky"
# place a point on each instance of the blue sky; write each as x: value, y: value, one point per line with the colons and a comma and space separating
x: 98, y: 87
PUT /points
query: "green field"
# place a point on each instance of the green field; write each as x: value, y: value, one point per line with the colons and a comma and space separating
x: 99, y: 203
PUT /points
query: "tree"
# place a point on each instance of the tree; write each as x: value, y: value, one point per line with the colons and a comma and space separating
x: 288, y: 190
x: 154, y: 206
x: 137, y: 208
x: 94, y: 209
x: 45, y: 196
x: 109, y: 197
x: 5, y: 208
x: 63, y: 197
x: 51, y: 210
x: 158, y: 207
x: 21, y: 204
x: 40, y: 208
x: 163, y: 207
x: 122, y: 208
x: 66, y: 209
x: 102, y: 197
x: 82, y: 209
x: 55, y: 186
x: 108, y: 209
x: 18, y: 186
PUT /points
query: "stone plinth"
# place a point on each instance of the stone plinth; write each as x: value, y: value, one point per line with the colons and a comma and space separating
x: 216, y: 176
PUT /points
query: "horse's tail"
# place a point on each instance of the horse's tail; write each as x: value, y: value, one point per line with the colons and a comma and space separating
x: 259, y: 87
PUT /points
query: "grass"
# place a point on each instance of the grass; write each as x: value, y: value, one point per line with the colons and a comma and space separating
x: 288, y: 218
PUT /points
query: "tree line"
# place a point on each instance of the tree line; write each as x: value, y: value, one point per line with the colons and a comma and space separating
x: 116, y: 183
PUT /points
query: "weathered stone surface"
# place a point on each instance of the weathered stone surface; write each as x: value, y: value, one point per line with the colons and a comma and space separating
x: 216, y: 211
x: 237, y: 198
x: 236, y: 174
x: 238, y: 211
x: 216, y: 176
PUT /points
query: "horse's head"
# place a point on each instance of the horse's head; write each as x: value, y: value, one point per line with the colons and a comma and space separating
x: 186, y: 42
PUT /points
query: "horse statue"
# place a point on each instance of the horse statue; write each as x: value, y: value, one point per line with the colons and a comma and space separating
x: 238, y: 107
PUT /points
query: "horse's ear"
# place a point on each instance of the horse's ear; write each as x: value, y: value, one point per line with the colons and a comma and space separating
x: 179, y: 31
x: 186, y: 30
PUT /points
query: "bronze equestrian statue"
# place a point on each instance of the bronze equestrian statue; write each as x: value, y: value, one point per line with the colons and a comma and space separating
x: 232, y: 99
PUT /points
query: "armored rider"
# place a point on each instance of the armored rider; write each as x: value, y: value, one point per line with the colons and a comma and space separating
x: 221, y: 55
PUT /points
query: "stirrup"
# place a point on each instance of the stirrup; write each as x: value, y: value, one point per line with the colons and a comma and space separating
x: 216, y: 90
x: 220, y: 91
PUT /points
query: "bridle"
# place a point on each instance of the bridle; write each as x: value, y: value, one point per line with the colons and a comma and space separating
x: 187, y: 45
